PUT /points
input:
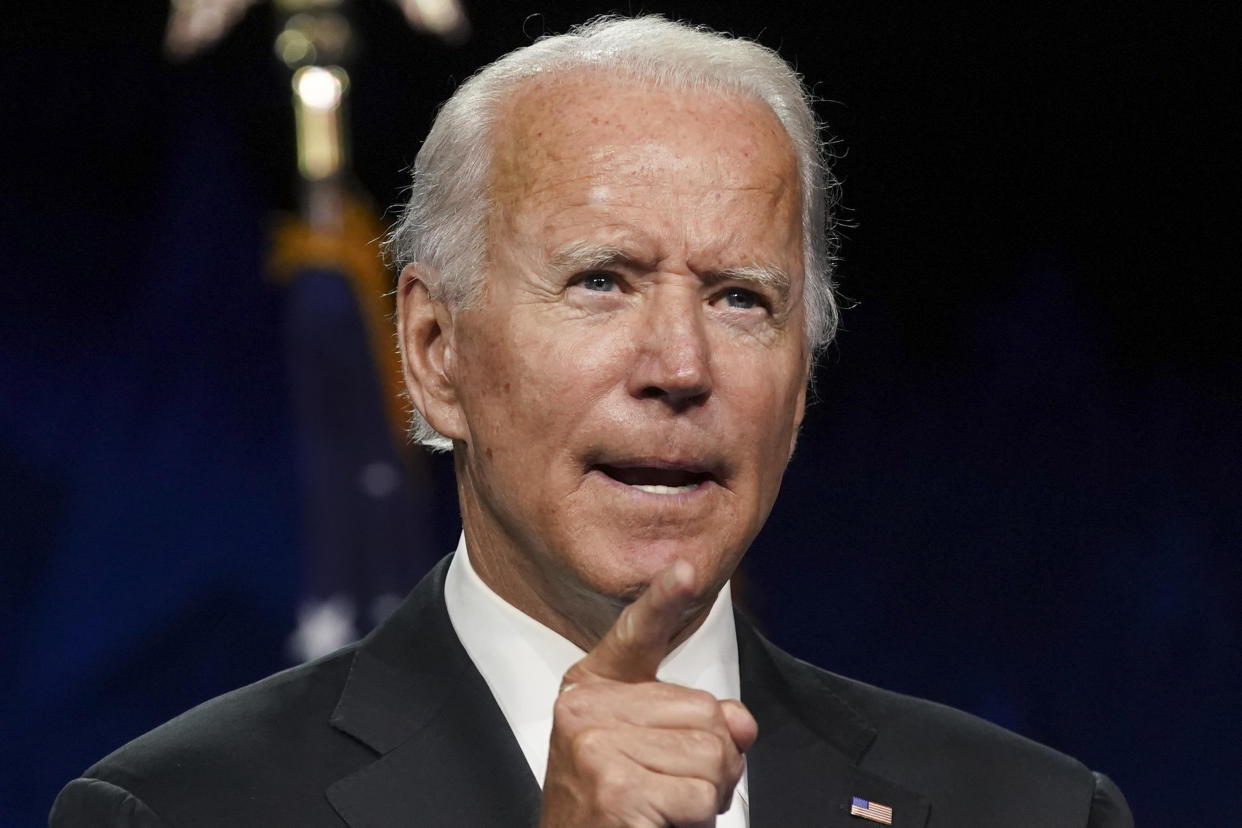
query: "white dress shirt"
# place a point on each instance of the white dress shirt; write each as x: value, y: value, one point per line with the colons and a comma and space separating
x: 523, y: 663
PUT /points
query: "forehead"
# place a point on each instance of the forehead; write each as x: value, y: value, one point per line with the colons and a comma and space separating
x: 564, y: 128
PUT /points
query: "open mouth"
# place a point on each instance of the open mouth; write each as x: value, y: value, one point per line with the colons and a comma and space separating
x: 656, y: 479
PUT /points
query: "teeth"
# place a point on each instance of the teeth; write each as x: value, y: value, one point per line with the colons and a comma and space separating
x: 665, y: 490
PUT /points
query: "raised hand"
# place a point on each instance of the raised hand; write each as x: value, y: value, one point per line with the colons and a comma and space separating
x: 629, y: 750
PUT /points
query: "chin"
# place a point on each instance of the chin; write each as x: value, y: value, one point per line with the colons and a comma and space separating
x: 632, y: 563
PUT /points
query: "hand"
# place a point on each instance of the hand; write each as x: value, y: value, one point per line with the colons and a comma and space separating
x: 629, y: 750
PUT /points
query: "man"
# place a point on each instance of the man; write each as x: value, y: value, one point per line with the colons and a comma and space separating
x: 614, y: 280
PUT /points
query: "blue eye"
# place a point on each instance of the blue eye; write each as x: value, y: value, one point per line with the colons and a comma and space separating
x: 741, y: 298
x: 600, y: 282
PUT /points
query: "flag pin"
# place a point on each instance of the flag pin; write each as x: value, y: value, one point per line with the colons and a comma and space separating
x: 873, y: 811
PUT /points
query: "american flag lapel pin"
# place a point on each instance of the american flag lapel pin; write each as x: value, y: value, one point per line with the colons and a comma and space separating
x: 873, y: 811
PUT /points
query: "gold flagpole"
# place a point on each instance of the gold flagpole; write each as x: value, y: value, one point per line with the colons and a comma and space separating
x: 314, y: 42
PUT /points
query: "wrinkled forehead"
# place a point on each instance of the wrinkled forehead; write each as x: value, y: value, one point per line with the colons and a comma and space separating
x: 565, y: 123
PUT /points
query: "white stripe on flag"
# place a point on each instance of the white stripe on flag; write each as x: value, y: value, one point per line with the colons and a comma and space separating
x: 873, y: 811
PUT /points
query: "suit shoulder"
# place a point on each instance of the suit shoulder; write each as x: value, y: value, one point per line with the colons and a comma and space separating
x: 93, y: 802
x: 298, y: 699
x: 270, y: 741
x: 910, y: 720
x: 971, y: 770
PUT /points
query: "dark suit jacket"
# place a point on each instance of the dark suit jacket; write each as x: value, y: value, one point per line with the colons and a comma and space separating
x: 401, y: 729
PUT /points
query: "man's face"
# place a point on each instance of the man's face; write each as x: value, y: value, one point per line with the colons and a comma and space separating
x: 630, y: 384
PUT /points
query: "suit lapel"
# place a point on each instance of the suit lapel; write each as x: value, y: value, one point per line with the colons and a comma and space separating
x: 803, y: 769
x: 447, y: 755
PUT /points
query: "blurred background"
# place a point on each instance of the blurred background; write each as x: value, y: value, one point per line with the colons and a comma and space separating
x: 1018, y: 491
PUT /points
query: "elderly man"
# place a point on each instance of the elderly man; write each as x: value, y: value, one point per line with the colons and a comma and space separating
x: 614, y: 280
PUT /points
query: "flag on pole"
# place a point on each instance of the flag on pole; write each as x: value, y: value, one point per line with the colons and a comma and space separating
x: 363, y: 492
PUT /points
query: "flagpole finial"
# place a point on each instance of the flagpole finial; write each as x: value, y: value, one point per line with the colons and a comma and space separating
x: 195, y: 25
x: 444, y: 18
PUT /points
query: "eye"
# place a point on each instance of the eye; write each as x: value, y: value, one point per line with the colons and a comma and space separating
x: 741, y: 298
x: 598, y: 281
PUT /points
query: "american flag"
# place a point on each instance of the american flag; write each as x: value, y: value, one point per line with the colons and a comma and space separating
x: 873, y: 811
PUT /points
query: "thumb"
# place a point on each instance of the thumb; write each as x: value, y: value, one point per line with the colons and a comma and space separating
x: 637, y: 642
x: 742, y: 725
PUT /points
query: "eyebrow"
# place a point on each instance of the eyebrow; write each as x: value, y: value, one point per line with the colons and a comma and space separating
x: 591, y: 256
x: 762, y: 275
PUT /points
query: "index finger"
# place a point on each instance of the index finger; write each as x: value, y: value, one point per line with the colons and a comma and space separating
x: 637, y: 642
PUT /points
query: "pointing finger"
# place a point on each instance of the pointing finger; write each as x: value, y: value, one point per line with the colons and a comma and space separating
x: 632, y: 649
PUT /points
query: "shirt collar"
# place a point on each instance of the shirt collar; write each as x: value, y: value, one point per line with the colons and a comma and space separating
x: 523, y: 661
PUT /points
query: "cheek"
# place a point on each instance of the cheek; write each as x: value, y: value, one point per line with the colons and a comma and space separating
x: 768, y: 418
x: 567, y: 365
x: 487, y: 371
x: 531, y: 383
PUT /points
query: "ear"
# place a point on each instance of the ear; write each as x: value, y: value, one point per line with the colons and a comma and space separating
x: 425, y: 334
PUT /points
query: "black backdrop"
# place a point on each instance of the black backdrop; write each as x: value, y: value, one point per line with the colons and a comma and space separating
x: 1017, y: 491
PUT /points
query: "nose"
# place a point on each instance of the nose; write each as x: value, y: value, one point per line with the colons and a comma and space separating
x: 673, y: 359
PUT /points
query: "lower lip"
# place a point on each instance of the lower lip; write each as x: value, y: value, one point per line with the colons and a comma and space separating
x: 660, y: 493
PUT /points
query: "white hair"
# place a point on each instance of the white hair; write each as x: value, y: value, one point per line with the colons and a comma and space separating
x: 443, y: 225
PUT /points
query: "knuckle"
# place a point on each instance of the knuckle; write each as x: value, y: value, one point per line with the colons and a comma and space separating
x: 574, y: 702
x: 702, y: 798
x: 566, y: 704
x: 704, y: 744
x: 706, y: 701
x: 614, y: 792
x: 728, y: 758
x: 706, y: 707
x: 716, y: 753
x: 563, y: 710
x: 734, y: 764
x: 576, y: 674
x: 588, y: 746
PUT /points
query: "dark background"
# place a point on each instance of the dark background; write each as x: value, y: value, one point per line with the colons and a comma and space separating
x: 1017, y: 493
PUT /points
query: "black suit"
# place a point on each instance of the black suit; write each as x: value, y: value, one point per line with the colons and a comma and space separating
x: 400, y: 729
